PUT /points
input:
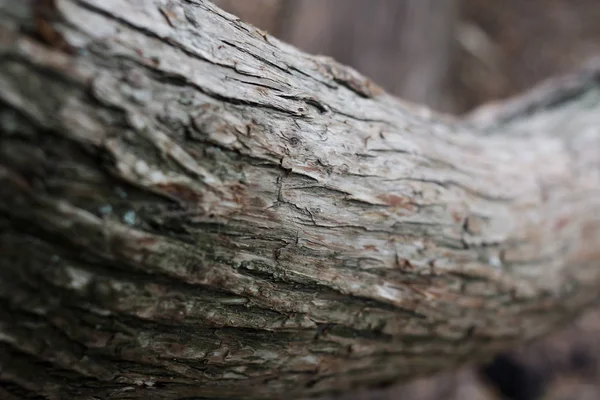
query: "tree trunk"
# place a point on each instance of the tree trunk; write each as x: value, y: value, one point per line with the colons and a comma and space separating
x: 409, y: 53
x: 193, y: 209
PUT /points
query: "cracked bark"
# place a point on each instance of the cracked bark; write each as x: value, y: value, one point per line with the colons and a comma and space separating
x: 193, y: 209
x: 414, y: 37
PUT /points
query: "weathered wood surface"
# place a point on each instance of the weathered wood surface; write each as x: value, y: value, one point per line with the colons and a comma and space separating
x: 410, y: 53
x: 192, y: 209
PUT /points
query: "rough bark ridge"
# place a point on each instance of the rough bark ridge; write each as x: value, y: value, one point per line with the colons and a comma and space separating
x: 191, y: 208
x: 409, y: 53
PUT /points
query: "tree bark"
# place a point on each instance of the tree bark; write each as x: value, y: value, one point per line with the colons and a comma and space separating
x: 193, y: 209
x: 410, y: 52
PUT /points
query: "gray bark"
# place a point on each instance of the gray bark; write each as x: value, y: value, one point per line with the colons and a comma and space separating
x: 192, y: 209
x: 409, y: 53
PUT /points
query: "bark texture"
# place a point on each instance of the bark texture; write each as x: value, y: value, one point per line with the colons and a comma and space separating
x: 192, y: 209
x: 409, y: 53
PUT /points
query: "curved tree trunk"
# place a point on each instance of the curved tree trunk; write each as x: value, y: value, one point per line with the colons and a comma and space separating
x: 191, y: 208
x: 409, y: 52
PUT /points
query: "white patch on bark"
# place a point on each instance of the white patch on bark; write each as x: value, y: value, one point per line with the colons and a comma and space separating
x: 388, y: 292
x: 79, y: 278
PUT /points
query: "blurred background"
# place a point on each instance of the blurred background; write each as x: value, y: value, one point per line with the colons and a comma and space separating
x: 454, y: 55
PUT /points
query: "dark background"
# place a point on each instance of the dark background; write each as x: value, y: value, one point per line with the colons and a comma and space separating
x: 454, y: 55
